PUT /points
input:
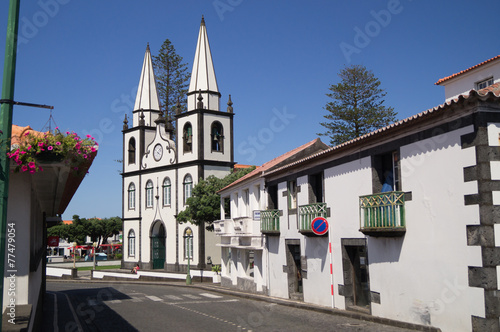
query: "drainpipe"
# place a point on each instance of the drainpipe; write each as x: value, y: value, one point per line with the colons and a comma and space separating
x: 6, y: 126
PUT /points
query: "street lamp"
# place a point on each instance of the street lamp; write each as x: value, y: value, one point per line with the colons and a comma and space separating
x: 74, y: 255
x: 95, y: 246
x: 187, y: 238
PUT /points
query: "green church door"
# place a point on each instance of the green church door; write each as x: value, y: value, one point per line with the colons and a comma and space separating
x: 158, y: 252
x: 158, y: 245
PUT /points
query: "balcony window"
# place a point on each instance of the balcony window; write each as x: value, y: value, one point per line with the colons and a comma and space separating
x: 383, y: 214
x: 292, y: 195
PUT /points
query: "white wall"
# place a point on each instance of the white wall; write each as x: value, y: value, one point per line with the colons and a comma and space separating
x: 343, y: 186
x: 434, y: 255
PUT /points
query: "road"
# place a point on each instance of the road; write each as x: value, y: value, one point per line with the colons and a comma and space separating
x: 150, y: 307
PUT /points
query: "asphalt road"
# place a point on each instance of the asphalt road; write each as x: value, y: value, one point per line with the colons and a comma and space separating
x: 139, y: 307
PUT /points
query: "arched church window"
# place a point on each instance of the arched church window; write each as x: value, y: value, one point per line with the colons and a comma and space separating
x: 217, y: 137
x: 131, y: 243
x: 131, y: 151
x: 149, y: 194
x: 131, y: 196
x: 167, y: 191
x: 188, y: 187
x: 187, y: 135
x: 188, y: 243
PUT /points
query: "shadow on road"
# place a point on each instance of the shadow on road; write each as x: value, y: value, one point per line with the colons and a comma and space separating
x: 83, y: 310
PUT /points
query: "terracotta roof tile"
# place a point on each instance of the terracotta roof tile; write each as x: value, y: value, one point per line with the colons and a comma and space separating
x: 444, y: 79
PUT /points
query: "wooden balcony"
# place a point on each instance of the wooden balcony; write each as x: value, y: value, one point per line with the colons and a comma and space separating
x: 383, y: 214
x: 270, y: 222
x: 307, y: 213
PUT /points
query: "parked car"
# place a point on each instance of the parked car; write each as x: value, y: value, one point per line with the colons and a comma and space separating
x: 100, y: 256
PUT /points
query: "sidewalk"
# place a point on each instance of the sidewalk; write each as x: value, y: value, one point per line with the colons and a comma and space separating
x: 111, y: 276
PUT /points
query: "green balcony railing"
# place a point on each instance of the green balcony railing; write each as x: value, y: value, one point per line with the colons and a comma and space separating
x: 270, y: 221
x: 307, y: 213
x: 384, y: 211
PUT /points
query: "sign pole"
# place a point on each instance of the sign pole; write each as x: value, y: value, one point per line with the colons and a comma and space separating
x: 319, y: 226
x: 9, y: 73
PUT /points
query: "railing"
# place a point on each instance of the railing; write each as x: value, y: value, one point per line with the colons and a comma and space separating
x: 270, y: 221
x: 307, y: 213
x: 384, y: 211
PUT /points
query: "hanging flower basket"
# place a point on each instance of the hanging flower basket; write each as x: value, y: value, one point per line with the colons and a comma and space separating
x: 36, y: 149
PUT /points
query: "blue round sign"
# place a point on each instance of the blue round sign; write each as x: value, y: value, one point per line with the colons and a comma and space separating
x: 319, y: 226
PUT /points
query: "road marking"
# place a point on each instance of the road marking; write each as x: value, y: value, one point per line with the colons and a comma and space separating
x: 173, y: 297
x: 56, y: 325
x: 210, y: 295
x: 153, y: 298
x: 77, y: 321
x: 115, y: 301
x: 136, y: 299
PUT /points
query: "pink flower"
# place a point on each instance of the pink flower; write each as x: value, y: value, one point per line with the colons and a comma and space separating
x: 32, y: 171
x: 40, y: 169
x: 58, y: 143
x: 50, y: 148
x: 29, y: 147
x: 24, y: 168
x: 31, y: 164
x: 40, y: 144
x: 89, y: 136
x: 67, y: 133
x: 27, y: 133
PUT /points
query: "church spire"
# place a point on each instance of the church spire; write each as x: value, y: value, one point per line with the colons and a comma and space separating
x: 147, y: 94
x: 203, y: 74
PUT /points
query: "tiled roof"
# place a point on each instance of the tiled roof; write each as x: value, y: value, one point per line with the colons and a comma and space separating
x: 490, y: 91
x: 444, y: 79
x: 19, y: 132
x: 276, y: 161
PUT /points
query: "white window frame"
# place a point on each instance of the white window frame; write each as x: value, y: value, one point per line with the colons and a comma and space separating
x: 131, y: 243
x: 131, y: 196
x: 149, y: 194
x: 484, y: 83
x: 167, y: 192
x: 188, y: 187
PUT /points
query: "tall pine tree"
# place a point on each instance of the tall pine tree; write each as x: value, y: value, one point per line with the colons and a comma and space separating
x: 358, y: 106
x: 172, y: 78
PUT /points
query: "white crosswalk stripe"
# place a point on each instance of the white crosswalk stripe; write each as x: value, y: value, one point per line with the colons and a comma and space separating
x: 173, y: 297
x: 153, y: 298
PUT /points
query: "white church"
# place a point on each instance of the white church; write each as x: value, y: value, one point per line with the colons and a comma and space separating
x: 159, y: 172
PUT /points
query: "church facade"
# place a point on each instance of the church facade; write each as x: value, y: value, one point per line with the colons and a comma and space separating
x: 161, y: 165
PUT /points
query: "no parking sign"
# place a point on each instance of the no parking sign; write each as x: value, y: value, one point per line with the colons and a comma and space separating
x: 319, y: 226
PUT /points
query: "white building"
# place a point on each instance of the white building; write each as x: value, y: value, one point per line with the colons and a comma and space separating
x: 412, y: 209
x: 244, y: 258
x: 159, y: 173
x: 476, y: 77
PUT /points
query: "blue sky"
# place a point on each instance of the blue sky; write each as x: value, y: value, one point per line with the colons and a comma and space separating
x: 276, y: 58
